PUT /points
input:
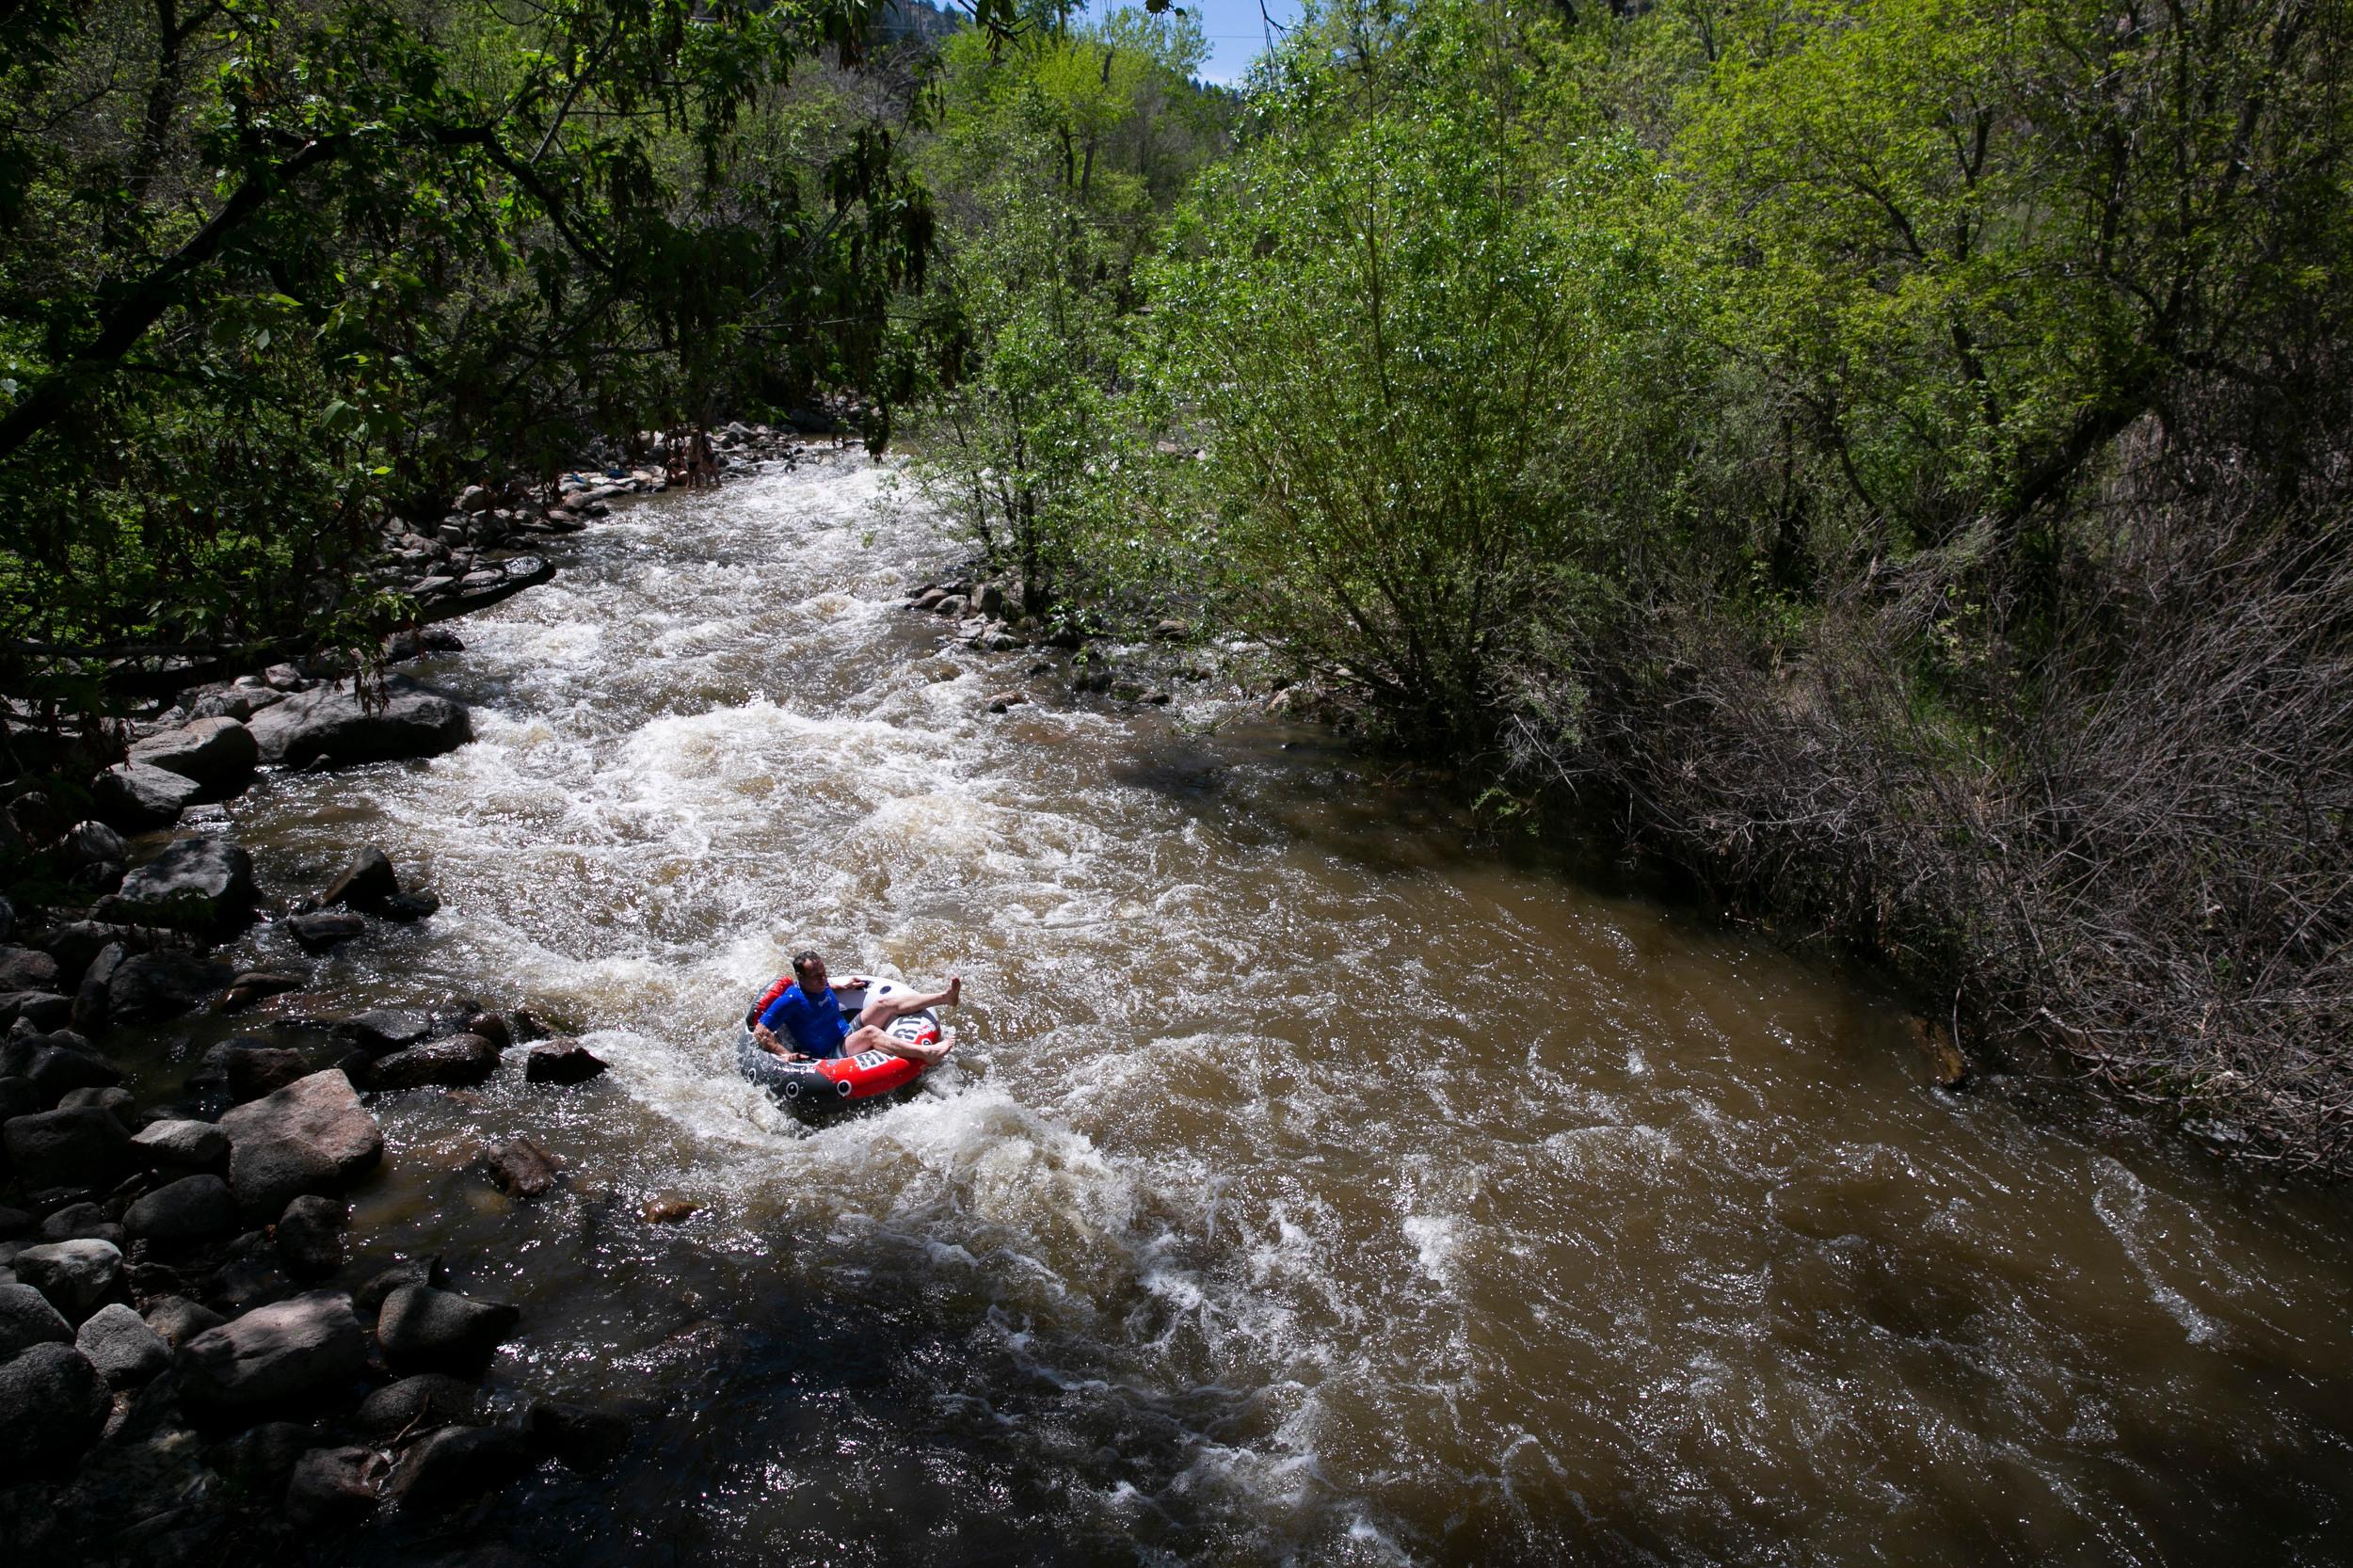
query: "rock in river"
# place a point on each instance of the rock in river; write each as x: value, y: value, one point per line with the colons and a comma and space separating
x: 142, y: 988
x: 459, y: 1463
x: 325, y: 929
x: 363, y: 885
x: 561, y: 1061
x: 310, y: 1236
x: 333, y: 727
x: 417, y: 1404
x: 461, y: 1059
x: 333, y: 1488
x: 311, y: 1136
x: 136, y: 796
x: 27, y: 970
x: 521, y: 1167
x: 289, y: 1351
x: 203, y: 885
x: 423, y: 1329
x: 217, y: 754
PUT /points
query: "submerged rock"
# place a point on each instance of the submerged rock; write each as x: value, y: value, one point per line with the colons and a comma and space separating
x: 325, y: 929
x: 254, y: 1070
x: 521, y: 1167
x: 584, y: 1439
x: 254, y: 984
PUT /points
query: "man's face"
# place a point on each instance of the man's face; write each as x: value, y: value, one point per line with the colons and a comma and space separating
x: 813, y: 978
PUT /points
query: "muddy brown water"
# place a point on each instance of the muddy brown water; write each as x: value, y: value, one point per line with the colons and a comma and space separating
x: 1322, y: 1187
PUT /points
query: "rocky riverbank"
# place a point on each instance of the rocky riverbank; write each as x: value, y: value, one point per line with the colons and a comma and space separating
x: 198, y: 1361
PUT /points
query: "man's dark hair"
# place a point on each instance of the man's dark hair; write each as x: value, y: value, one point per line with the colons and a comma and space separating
x: 801, y: 961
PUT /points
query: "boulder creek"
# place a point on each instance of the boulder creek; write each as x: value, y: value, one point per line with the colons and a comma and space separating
x: 1321, y: 1181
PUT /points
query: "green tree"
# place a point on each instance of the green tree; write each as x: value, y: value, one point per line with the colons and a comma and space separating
x: 271, y: 268
x: 1422, y: 325
x: 1055, y: 159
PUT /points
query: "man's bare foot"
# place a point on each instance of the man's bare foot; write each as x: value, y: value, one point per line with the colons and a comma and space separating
x: 947, y: 1043
x: 955, y: 990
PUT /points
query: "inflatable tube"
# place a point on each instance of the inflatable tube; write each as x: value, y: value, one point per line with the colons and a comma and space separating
x: 842, y: 1081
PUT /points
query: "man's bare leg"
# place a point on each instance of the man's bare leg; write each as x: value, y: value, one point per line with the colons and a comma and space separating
x: 869, y: 1037
x: 882, y: 1010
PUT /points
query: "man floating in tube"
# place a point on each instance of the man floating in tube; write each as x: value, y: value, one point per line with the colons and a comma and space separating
x: 808, y: 1012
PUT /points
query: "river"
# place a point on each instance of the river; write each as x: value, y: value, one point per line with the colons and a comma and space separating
x: 1324, y: 1184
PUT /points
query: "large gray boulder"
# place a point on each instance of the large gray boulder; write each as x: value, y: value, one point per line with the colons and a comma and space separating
x: 202, y: 884
x: 52, y: 1403
x: 82, y: 1147
x: 78, y: 1277
x: 136, y: 796
x: 311, y: 1136
x: 26, y: 1319
x: 423, y: 1329
x: 219, y: 754
x: 119, y: 1343
x: 179, y: 1213
x: 333, y: 727
x: 289, y: 1351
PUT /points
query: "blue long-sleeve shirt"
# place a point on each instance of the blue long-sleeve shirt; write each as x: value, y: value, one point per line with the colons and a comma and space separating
x: 815, y: 1024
